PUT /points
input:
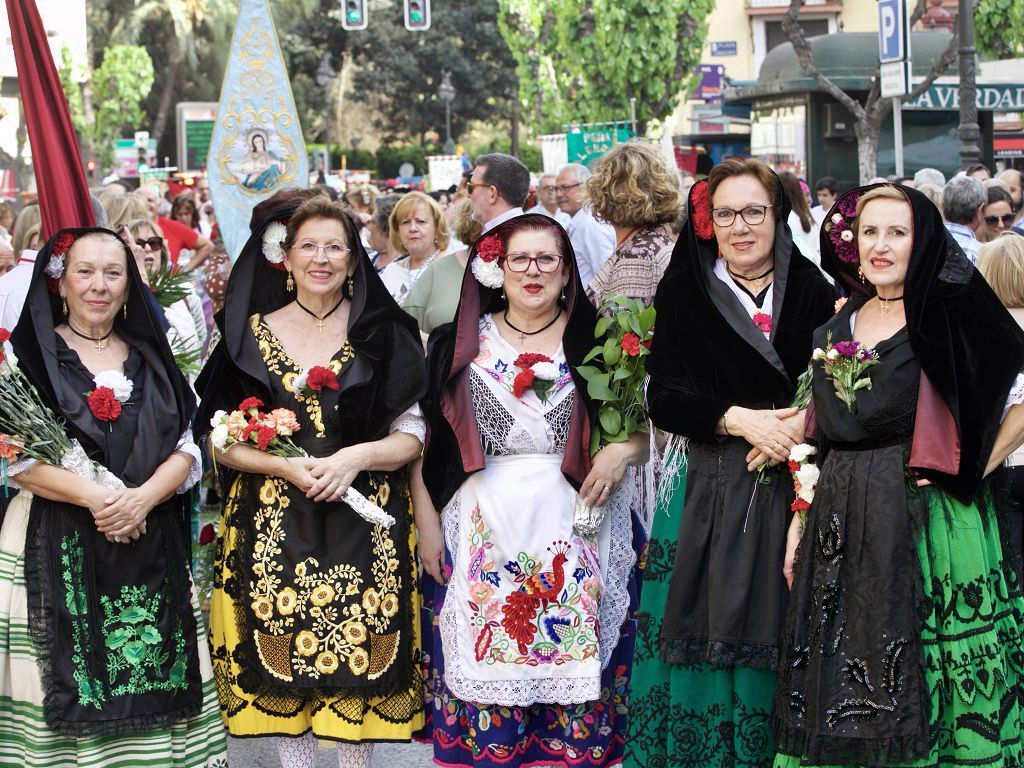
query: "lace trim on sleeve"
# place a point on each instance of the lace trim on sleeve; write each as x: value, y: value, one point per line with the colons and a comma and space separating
x: 188, y: 446
x: 16, y: 467
x: 1016, y: 396
x: 411, y: 422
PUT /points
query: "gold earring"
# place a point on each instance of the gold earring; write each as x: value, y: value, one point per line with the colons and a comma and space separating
x: 860, y: 274
x: 351, y: 285
x: 64, y: 304
x: 290, y: 284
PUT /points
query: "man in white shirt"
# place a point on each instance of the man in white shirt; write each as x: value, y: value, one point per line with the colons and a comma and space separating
x: 963, y: 200
x: 547, y: 203
x: 497, y: 189
x: 592, y: 240
x: 14, y: 289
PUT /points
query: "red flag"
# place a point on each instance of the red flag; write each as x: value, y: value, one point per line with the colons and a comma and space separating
x: 63, y: 193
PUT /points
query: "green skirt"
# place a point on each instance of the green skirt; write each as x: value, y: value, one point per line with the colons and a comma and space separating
x: 971, y: 622
x: 695, y: 715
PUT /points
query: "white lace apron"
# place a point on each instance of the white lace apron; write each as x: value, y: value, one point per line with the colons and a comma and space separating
x: 531, y: 609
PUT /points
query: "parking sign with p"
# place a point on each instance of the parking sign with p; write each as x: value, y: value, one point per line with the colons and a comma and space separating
x: 893, y: 30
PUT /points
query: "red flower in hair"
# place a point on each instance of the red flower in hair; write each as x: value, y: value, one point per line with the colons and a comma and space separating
x: 320, y: 377
x: 800, y: 505
x: 522, y: 382
x: 250, y: 403
x: 103, y: 404
x: 490, y: 248
x: 63, y: 244
x: 526, y: 359
x: 631, y: 344
x: 700, y: 213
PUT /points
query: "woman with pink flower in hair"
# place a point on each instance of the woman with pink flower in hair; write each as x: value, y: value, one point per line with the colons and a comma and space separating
x: 532, y: 560
x: 736, y: 311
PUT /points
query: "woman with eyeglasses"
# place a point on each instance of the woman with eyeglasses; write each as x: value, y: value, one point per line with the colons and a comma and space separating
x: 736, y: 311
x: 998, y: 215
x: 531, y: 632
x: 315, y: 611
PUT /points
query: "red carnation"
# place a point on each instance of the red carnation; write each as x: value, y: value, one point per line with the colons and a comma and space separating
x: 631, y: 343
x: 794, y: 466
x: 249, y: 428
x: 206, y: 534
x: 522, y: 382
x: 800, y: 505
x: 490, y: 248
x: 103, y: 404
x: 700, y: 212
x: 63, y: 243
x: 250, y: 403
x: 264, y: 435
x: 320, y: 377
x: 763, y: 321
x: 527, y: 359
x: 4, y: 335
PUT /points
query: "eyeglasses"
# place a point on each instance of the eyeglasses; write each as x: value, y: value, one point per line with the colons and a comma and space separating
x: 546, y: 262
x: 548, y: 188
x: 566, y: 187
x: 309, y: 249
x: 752, y: 214
x: 153, y: 243
x: 471, y: 185
x: 1006, y: 218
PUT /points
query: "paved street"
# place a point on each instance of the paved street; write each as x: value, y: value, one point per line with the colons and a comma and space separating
x: 262, y: 753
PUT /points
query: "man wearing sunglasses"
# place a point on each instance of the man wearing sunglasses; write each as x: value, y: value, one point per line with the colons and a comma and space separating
x: 498, y: 189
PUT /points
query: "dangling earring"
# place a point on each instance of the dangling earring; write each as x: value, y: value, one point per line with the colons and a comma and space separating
x: 563, y: 293
x: 860, y: 274
x: 351, y: 284
x: 64, y: 304
x: 289, y: 284
x: 125, y: 310
x: 503, y: 294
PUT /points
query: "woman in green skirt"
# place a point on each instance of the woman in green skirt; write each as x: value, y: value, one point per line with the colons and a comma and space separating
x: 903, y: 636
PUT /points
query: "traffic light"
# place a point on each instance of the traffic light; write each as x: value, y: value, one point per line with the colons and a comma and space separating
x: 417, y: 15
x: 90, y: 166
x: 353, y: 14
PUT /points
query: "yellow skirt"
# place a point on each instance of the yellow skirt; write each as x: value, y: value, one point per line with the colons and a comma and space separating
x: 355, y: 718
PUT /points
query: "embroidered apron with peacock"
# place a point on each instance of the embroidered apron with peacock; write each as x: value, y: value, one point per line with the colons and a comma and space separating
x: 531, y: 608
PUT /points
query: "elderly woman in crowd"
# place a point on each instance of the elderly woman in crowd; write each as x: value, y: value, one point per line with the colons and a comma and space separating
x: 420, y: 233
x: 314, y: 618
x: 436, y: 296
x: 532, y: 639
x: 736, y: 310
x: 27, y: 231
x: 634, y: 191
x: 902, y: 643
x: 104, y: 658
x: 997, y: 216
x: 379, y: 232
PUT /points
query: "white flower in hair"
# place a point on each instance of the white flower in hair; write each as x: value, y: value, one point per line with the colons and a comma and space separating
x: 118, y: 383
x: 273, y: 240
x: 488, y: 273
x: 545, y: 371
x: 55, y: 266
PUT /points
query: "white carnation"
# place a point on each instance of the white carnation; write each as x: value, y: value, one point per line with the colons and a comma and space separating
x: 120, y: 384
x: 832, y: 354
x: 488, y: 273
x: 218, y: 418
x: 55, y: 266
x: 545, y: 371
x: 219, y: 436
x: 801, y: 452
x: 299, y: 382
x: 847, y: 235
x: 837, y: 218
x: 273, y: 238
x: 807, y: 475
x: 818, y: 353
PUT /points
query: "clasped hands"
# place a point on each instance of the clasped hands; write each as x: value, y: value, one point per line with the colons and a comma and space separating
x: 772, y: 433
x: 327, y: 478
x: 120, y: 514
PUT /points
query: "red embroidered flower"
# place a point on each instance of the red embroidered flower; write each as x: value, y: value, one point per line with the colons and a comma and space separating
x: 250, y: 403
x: 526, y: 359
x: 320, y: 377
x: 700, y: 213
x: 763, y: 321
x: 490, y: 248
x: 206, y: 534
x: 264, y: 435
x: 631, y: 343
x: 103, y: 404
x: 522, y: 382
x: 800, y: 505
x: 63, y: 244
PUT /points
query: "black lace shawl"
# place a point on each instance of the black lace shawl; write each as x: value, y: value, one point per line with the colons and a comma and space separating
x: 969, y: 347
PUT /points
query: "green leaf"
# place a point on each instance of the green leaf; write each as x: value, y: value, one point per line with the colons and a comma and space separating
x: 598, y: 389
x: 634, y: 326
x: 611, y: 419
x: 619, y: 437
x: 593, y: 353
x: 601, y: 327
x: 612, y: 352
x: 595, y: 440
x: 588, y: 371
x: 621, y: 373
x: 623, y: 318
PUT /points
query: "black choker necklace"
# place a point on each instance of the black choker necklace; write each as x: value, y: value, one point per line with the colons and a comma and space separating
x: 762, y: 276
x: 885, y: 303
x: 99, y: 340
x: 523, y: 334
x: 320, y: 318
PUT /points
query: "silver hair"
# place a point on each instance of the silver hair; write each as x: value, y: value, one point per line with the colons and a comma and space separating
x: 961, y: 199
x: 582, y: 172
x: 929, y: 176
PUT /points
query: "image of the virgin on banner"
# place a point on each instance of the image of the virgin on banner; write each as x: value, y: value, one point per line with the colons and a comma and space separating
x: 257, y: 146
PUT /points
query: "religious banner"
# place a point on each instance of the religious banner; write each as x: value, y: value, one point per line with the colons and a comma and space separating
x: 257, y: 146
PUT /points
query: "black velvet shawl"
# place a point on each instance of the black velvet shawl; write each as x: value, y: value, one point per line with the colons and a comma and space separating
x: 700, y: 363
x: 969, y: 347
x: 454, y: 450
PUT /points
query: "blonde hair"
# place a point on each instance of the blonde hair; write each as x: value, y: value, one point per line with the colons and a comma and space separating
x: 406, y: 206
x: 1001, y: 262
x: 632, y: 186
x: 122, y: 208
x: 28, y: 223
x: 884, y: 192
x: 365, y: 194
x: 136, y: 225
x: 465, y: 228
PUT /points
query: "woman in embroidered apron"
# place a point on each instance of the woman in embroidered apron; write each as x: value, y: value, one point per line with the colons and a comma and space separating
x: 736, y: 310
x: 903, y: 640
x: 314, y: 620
x: 104, y: 658
x: 532, y: 633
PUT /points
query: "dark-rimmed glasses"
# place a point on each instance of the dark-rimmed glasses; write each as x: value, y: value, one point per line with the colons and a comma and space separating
x: 546, y: 262
x: 563, y: 188
x: 153, y: 243
x: 1006, y: 218
x: 751, y: 214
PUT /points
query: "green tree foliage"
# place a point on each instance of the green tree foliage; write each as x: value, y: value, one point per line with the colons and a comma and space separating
x: 119, y: 85
x: 582, y: 60
x: 999, y: 28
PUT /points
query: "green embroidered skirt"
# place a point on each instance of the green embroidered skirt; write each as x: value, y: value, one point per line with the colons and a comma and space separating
x: 25, y: 740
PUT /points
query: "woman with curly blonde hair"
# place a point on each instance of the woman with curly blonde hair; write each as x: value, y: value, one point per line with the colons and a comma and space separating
x: 634, y: 190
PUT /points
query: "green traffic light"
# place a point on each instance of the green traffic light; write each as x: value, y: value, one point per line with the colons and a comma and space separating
x: 416, y: 16
x: 353, y: 15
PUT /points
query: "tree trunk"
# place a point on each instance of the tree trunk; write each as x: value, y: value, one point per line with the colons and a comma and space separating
x: 867, y: 150
x: 170, y: 84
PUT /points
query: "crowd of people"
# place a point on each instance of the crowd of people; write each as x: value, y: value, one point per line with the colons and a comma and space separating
x: 806, y: 552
